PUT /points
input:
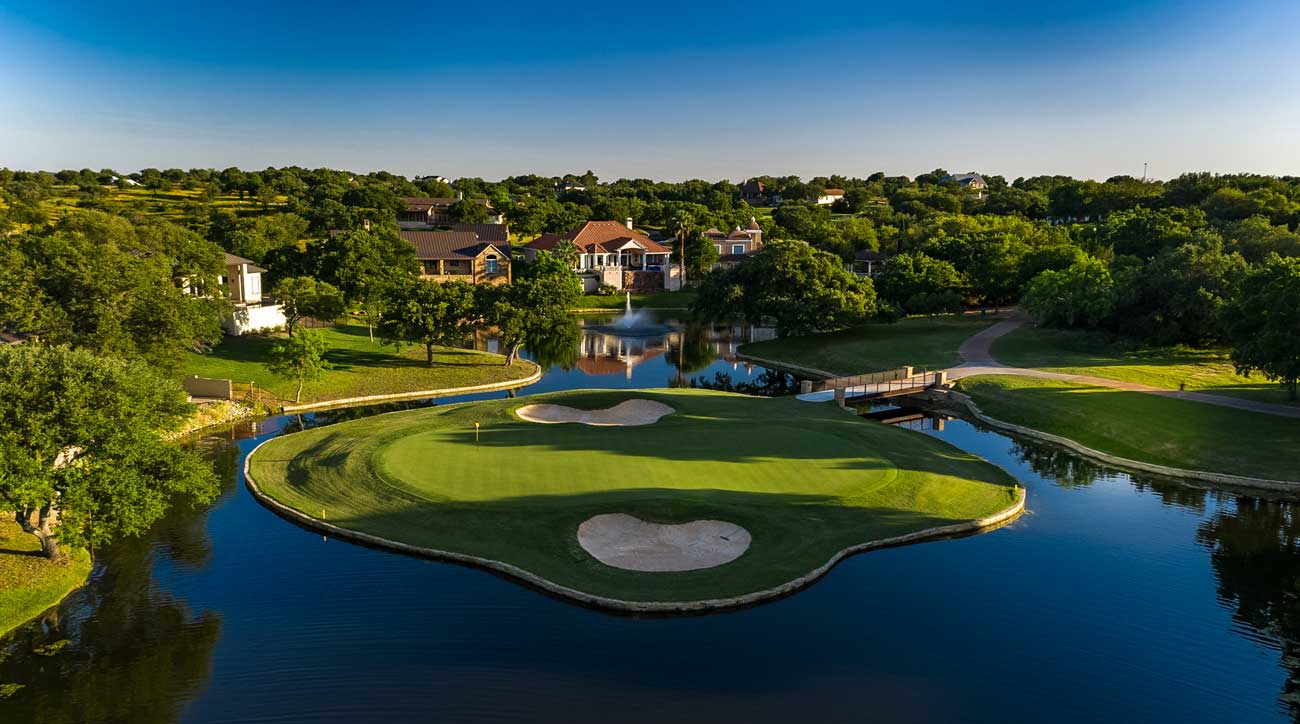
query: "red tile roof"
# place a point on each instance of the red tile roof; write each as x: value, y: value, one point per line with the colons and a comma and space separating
x: 599, y: 237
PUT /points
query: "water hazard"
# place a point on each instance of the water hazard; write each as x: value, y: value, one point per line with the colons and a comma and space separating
x: 1116, y: 598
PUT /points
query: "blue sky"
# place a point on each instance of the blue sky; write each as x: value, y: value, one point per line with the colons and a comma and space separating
x: 668, y: 90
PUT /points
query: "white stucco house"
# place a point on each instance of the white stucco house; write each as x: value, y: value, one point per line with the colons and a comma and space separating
x: 252, y: 312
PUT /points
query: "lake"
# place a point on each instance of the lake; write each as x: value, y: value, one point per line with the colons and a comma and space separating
x: 1115, y: 598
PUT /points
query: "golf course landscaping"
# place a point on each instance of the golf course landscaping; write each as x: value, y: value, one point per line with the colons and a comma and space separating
x: 694, y: 499
x: 923, y: 342
x: 1147, y: 428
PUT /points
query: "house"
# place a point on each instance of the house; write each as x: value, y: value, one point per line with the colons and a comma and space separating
x: 435, y: 179
x: 830, y: 196
x: 252, y: 312
x: 568, y: 185
x: 732, y: 246
x: 473, y: 253
x: 427, y: 212
x: 971, y: 181
x: 753, y: 192
x: 867, y: 263
x: 615, y: 254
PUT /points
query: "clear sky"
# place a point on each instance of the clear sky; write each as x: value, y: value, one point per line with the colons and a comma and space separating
x: 665, y: 89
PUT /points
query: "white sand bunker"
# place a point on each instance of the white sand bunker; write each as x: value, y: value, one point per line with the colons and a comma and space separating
x: 627, y: 542
x: 626, y: 413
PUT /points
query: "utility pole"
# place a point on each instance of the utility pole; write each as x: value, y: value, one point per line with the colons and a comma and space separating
x: 1144, y: 171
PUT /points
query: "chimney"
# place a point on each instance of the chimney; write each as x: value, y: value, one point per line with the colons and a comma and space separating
x: 629, y: 222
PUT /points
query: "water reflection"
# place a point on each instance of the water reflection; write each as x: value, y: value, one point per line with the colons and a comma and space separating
x: 1123, y: 598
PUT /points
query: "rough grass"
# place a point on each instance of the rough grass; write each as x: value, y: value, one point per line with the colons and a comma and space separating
x: 806, y: 480
x: 1101, y: 355
x: 169, y: 204
x: 1145, y: 427
x: 29, y: 584
x: 657, y: 300
x: 923, y: 342
x: 360, y: 367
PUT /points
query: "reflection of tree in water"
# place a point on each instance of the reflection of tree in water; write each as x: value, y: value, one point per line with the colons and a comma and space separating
x: 555, y: 343
x: 769, y: 383
x: 1254, y: 552
x: 692, y: 350
x: 1174, y: 493
x: 134, y: 653
x: 1066, y: 468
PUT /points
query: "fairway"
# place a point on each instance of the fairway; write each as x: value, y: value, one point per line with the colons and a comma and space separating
x: 807, y: 481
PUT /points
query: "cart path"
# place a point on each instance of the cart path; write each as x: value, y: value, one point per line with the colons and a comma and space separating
x: 977, y: 359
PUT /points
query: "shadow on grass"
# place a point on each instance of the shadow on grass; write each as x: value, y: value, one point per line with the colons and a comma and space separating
x: 792, y: 536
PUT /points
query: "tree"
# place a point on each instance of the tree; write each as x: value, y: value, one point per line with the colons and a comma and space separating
x: 1263, y: 322
x: 300, y: 358
x: 303, y: 297
x: 802, y: 289
x: 104, y: 284
x: 469, y: 211
x: 1081, y: 296
x: 365, y: 264
x: 532, y: 311
x: 429, y: 313
x: 1178, y: 298
x: 920, y: 284
x: 81, y: 461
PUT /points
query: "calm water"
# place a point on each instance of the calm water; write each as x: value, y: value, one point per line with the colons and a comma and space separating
x: 1115, y: 599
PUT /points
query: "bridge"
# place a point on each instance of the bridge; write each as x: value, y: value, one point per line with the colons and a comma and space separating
x: 877, y: 386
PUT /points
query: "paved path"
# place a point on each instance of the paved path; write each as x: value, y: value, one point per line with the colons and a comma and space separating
x: 976, y: 355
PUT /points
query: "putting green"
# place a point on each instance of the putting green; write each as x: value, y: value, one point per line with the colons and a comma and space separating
x: 807, y: 481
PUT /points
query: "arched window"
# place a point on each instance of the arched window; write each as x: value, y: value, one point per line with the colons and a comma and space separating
x: 492, y: 264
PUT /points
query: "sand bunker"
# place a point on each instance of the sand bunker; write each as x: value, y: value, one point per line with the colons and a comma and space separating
x: 624, y: 541
x: 626, y: 413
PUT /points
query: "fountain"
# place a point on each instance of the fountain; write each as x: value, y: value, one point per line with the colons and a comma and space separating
x: 634, y: 323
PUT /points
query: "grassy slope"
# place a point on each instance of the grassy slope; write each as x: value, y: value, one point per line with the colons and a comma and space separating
x: 1145, y: 427
x: 1082, y: 353
x: 30, y: 584
x: 168, y: 204
x: 923, y: 342
x: 805, y: 480
x: 361, y: 367
x: 658, y: 300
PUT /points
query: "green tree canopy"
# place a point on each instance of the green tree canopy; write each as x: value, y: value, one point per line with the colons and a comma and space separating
x: 81, y: 460
x: 801, y: 288
x: 1263, y: 322
x: 429, y: 313
x: 300, y: 358
x: 303, y: 297
x: 1082, y: 295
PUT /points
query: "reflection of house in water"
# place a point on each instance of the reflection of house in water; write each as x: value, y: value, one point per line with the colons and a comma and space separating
x: 727, y: 339
x: 601, y: 353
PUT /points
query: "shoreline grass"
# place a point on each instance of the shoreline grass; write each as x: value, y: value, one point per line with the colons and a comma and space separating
x: 360, y: 367
x: 806, y: 480
x: 1145, y: 427
x: 1101, y: 355
x: 923, y: 342
x: 29, y: 584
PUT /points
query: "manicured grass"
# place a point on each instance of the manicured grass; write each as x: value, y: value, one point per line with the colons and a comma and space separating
x: 657, y: 300
x: 923, y: 342
x: 29, y: 584
x: 806, y: 480
x: 360, y: 367
x: 1145, y: 427
x: 1100, y: 355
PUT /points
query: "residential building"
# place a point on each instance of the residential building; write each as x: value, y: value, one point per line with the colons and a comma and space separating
x: 867, y: 263
x: 615, y: 254
x: 252, y: 312
x: 473, y: 253
x: 971, y: 181
x: 753, y: 192
x: 830, y: 196
x: 568, y: 185
x: 732, y: 246
x: 427, y: 212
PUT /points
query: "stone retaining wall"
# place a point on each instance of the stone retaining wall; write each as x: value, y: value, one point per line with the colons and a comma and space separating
x: 951, y: 399
x: 373, y: 399
x: 588, y: 599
